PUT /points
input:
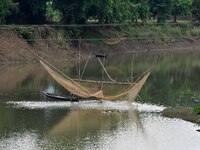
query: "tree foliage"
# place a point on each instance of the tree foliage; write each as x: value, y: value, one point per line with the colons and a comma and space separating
x: 4, y: 9
x: 7, y: 9
x: 52, y: 15
x: 181, y: 7
x: 143, y: 10
x: 161, y: 9
x: 72, y: 11
x: 103, y: 11
x: 196, y: 9
x: 32, y: 11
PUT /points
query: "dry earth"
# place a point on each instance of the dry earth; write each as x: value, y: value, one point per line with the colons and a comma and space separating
x: 13, y: 48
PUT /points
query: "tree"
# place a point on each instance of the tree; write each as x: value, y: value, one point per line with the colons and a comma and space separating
x: 73, y: 12
x: 8, y: 8
x: 32, y: 11
x: 4, y: 9
x: 123, y: 10
x: 52, y: 15
x: 105, y: 11
x: 161, y: 8
x: 118, y: 11
x: 143, y: 10
x: 181, y: 7
x: 196, y: 9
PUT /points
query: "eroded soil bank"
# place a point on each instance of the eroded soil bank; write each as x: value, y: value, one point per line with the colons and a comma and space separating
x: 54, y: 48
x: 183, y: 113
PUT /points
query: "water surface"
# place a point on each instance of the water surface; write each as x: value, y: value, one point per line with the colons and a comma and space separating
x: 29, y: 121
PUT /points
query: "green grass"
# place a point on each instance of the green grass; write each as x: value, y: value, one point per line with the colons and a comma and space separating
x: 147, y: 33
x: 197, y: 109
x: 164, y: 32
x: 93, y: 36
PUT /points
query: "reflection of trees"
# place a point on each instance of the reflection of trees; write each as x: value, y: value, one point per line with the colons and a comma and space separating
x: 13, y: 120
x: 68, y: 124
x: 22, y: 77
x: 174, y: 80
x: 79, y: 122
x: 93, y: 124
x: 174, y: 87
x: 175, y: 77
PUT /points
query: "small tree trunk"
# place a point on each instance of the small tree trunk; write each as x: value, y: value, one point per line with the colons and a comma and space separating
x: 158, y: 17
x: 175, y: 18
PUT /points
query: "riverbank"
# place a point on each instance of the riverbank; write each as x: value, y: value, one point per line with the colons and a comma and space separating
x: 187, y: 114
x: 58, y: 44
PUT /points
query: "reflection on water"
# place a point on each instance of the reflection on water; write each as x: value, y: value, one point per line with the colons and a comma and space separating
x: 173, y: 82
x: 21, y: 77
x: 29, y: 121
x: 26, y: 140
x: 91, y: 129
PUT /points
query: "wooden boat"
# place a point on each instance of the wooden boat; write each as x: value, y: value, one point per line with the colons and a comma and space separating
x: 61, y: 98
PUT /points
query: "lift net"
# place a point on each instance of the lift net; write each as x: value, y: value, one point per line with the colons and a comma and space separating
x: 78, y: 90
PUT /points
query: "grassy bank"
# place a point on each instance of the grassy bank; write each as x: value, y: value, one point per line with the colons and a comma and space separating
x: 96, y: 34
x: 163, y: 32
x: 95, y: 38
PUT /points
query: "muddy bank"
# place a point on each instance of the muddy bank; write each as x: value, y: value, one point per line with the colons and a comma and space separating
x: 53, y: 48
x: 13, y: 49
x: 184, y: 113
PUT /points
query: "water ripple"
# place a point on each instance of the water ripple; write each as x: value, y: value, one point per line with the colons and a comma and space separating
x: 105, y: 105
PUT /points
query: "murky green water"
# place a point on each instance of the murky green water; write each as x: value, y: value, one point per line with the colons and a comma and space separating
x: 28, y: 121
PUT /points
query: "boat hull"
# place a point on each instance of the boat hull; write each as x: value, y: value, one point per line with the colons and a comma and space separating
x: 61, y: 98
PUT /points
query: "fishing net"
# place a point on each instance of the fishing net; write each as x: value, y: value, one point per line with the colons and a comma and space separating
x: 133, y: 91
x: 78, y: 90
x: 67, y: 82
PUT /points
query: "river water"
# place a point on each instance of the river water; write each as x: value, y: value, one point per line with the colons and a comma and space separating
x: 29, y: 121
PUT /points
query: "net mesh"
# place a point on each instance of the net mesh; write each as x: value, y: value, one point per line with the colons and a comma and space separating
x: 76, y: 89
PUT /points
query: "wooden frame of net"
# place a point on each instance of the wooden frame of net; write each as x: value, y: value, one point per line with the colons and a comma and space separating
x: 75, y: 88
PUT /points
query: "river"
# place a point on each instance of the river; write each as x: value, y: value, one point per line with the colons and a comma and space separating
x: 29, y: 121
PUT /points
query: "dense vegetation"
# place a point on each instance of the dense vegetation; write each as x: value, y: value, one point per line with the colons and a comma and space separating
x: 101, y: 11
x: 197, y: 109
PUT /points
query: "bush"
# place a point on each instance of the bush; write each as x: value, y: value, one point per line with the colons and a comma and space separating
x: 30, y: 34
x: 195, y: 31
x: 196, y: 9
x: 197, y: 109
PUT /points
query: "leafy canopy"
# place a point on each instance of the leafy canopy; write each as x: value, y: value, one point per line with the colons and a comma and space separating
x: 181, y: 7
x: 196, y: 9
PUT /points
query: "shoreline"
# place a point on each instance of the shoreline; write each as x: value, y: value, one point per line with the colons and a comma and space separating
x: 55, y: 45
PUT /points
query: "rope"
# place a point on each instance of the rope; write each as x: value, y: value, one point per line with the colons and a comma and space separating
x: 95, y: 25
x: 85, y: 66
x: 148, y: 70
x: 106, y: 71
x: 132, y: 68
x: 79, y: 58
x: 40, y: 58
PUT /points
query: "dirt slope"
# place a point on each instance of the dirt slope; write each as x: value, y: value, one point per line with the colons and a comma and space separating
x: 13, y: 48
